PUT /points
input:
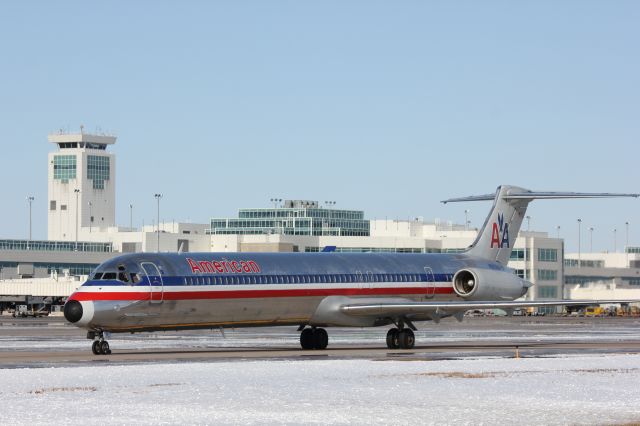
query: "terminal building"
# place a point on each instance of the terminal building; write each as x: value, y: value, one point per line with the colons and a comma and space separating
x: 82, y: 231
x: 603, y: 275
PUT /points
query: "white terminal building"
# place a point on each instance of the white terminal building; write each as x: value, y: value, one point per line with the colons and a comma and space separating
x: 82, y: 233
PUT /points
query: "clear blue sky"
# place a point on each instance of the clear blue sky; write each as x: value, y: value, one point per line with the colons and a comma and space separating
x: 387, y: 107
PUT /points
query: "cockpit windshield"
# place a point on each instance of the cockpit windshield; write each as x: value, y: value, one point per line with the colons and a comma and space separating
x: 125, y: 273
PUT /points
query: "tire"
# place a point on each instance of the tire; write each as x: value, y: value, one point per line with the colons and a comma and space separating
x: 306, y: 339
x: 320, y: 339
x: 392, y: 338
x: 406, y: 339
x: 104, y: 348
x: 95, y: 348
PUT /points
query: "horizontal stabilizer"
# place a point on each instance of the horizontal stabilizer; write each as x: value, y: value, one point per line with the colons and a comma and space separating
x: 531, y: 195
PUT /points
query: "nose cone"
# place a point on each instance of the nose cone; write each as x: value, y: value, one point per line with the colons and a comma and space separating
x: 73, y: 311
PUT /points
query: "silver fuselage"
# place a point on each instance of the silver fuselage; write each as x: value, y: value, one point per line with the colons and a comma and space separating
x: 146, y: 292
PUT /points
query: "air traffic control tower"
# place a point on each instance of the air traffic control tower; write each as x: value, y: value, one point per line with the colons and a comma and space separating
x: 81, y: 184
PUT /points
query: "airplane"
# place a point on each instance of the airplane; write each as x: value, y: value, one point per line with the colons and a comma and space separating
x: 146, y: 292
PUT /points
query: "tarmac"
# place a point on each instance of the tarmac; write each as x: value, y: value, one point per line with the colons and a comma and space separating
x: 50, y: 341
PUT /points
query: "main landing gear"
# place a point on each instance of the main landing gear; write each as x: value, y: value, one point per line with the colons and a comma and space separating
x: 314, y: 338
x: 401, y: 337
x: 99, y: 346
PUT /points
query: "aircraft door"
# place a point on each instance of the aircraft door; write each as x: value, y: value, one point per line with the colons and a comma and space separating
x: 431, y: 282
x: 156, y: 286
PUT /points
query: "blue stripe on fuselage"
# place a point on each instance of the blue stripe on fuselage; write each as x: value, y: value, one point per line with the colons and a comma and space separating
x: 263, y: 279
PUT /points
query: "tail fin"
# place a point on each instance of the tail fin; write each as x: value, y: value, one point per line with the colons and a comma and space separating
x: 502, y: 225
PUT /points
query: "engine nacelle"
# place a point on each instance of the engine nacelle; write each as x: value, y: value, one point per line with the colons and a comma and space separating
x: 487, y: 284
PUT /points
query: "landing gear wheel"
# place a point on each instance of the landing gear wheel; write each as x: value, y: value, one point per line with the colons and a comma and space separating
x: 104, y: 347
x: 320, y: 338
x: 392, y: 338
x: 406, y: 339
x: 306, y: 339
x: 95, y: 348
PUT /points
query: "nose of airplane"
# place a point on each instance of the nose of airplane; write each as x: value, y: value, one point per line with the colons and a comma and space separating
x: 80, y: 314
x: 73, y: 311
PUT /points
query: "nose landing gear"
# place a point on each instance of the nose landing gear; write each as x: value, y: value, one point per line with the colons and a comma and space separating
x: 100, y: 346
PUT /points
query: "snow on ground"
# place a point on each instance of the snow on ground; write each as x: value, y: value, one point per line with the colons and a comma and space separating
x: 568, y: 390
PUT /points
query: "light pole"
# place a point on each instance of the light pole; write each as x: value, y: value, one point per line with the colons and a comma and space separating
x: 77, y: 192
x: 626, y: 248
x: 626, y: 224
x: 528, y: 223
x: 615, y: 240
x: 30, y: 199
x: 579, y: 242
x: 466, y: 219
x: 275, y: 202
x: 130, y: 217
x: 591, y: 239
x: 90, y: 215
x: 158, y: 197
x: 558, y: 231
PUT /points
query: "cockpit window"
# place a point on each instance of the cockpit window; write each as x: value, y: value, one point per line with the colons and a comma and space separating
x: 128, y: 273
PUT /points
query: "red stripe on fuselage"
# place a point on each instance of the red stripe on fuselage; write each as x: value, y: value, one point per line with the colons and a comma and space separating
x: 254, y: 294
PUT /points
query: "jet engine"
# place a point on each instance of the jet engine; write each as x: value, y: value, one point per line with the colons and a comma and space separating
x: 488, y: 284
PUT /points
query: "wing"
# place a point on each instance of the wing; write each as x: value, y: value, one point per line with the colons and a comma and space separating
x: 393, y: 308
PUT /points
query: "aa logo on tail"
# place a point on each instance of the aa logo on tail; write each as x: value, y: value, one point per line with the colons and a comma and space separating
x: 500, y: 233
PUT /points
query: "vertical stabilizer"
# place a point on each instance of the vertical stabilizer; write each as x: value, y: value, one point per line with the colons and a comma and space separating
x: 500, y: 230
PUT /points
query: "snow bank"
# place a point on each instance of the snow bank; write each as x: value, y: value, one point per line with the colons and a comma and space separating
x: 569, y: 390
